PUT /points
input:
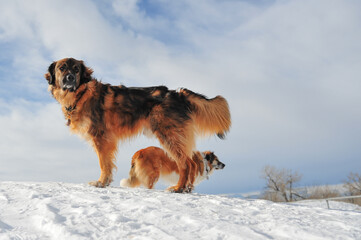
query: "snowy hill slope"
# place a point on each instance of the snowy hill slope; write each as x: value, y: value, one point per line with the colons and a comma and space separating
x: 77, y: 211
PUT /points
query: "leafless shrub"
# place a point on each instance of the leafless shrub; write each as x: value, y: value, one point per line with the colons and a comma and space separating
x: 321, y: 192
x: 353, y: 184
x: 280, y: 184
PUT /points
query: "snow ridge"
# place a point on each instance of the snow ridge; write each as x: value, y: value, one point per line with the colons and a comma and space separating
x: 77, y: 211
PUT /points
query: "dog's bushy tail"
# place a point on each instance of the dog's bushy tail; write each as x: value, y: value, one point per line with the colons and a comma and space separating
x: 132, y: 181
x: 211, y: 116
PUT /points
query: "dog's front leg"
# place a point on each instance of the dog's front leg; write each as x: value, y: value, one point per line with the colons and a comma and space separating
x: 105, y: 150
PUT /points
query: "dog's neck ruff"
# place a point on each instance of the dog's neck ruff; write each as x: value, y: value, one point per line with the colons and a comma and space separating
x: 206, y: 169
x: 71, y: 108
x: 79, y: 95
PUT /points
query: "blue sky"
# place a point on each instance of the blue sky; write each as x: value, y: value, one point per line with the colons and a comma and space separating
x: 289, y: 69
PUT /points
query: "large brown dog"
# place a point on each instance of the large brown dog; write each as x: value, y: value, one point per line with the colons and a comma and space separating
x: 152, y: 163
x: 104, y: 114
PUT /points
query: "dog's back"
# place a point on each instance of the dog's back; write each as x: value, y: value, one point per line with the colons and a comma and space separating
x: 152, y: 163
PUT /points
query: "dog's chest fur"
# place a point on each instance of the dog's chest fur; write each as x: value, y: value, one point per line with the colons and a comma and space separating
x: 73, y: 105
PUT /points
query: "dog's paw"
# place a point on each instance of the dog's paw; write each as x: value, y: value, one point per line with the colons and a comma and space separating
x: 97, y: 184
x: 189, y: 188
x: 176, y: 189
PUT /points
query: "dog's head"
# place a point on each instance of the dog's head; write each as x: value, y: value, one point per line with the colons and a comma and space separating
x: 213, y: 160
x: 68, y: 74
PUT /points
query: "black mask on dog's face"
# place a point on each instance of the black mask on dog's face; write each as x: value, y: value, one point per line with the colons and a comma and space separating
x: 68, y: 74
x: 213, y: 160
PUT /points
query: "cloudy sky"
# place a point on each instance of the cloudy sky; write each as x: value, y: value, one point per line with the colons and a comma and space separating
x: 290, y: 71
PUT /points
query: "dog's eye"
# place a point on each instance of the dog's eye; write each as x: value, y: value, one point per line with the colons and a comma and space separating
x: 76, y: 69
x: 62, y: 68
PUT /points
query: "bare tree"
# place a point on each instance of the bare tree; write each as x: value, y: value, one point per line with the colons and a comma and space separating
x: 280, y: 184
x: 353, y: 183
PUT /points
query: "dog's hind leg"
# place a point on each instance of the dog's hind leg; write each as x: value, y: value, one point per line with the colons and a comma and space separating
x: 105, y: 149
x: 152, y: 180
x: 180, y: 149
x: 172, y: 125
x: 182, y: 185
x: 193, y: 168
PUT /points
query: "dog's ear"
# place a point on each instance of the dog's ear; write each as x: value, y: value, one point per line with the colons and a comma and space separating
x: 86, y: 74
x: 209, y: 156
x: 50, y: 75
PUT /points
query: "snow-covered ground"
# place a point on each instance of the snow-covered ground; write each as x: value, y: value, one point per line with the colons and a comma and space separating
x: 78, y: 211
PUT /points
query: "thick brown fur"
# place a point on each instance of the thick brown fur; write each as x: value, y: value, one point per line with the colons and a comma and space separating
x: 104, y: 114
x: 152, y: 163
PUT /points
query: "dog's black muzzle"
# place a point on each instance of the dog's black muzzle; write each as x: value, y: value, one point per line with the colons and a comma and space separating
x: 69, y: 82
